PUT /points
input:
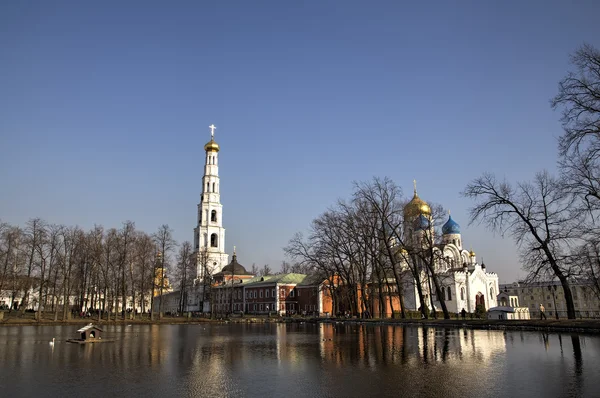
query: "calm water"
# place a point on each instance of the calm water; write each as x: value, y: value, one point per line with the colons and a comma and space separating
x: 297, y: 360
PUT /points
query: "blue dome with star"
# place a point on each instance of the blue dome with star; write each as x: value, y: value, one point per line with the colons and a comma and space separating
x: 450, y: 227
x: 422, y: 223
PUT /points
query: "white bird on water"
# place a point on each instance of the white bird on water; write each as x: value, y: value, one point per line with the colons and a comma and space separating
x: 52, y: 342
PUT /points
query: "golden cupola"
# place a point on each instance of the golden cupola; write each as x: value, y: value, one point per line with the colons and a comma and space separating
x: 416, y: 206
x: 212, y: 146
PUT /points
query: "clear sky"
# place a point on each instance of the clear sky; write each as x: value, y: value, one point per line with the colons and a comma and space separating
x: 105, y: 108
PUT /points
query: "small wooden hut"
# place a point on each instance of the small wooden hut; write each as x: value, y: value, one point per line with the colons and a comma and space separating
x: 90, y: 332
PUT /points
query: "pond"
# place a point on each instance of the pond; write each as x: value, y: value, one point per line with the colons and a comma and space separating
x: 299, y: 360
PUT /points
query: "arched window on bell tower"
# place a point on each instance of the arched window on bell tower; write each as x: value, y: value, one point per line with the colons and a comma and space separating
x: 214, y: 240
x: 213, y: 216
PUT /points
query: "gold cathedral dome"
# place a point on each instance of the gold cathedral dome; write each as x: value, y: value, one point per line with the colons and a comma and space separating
x: 416, y: 206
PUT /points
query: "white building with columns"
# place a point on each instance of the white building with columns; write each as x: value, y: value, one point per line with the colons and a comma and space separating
x: 465, y: 282
x: 209, y: 234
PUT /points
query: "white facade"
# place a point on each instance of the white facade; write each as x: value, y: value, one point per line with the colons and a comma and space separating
x: 465, y: 282
x: 209, y: 234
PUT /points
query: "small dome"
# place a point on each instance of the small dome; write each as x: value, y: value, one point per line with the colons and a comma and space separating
x: 450, y: 227
x: 211, y: 146
x: 472, y: 253
x: 234, y: 268
x: 422, y: 223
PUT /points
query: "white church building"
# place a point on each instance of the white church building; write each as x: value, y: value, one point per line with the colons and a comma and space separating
x: 466, y: 283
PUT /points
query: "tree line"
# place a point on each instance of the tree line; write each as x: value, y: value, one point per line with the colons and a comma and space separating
x: 109, y: 271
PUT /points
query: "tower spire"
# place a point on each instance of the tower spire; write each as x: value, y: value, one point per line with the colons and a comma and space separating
x: 212, y: 128
x: 415, y: 185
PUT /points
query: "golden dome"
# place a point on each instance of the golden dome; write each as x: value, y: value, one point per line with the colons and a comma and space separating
x: 472, y: 253
x: 416, y: 206
x: 211, y: 146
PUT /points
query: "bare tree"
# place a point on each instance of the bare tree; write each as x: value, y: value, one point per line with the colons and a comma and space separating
x: 35, y: 232
x: 579, y: 146
x: 145, y: 250
x: 537, y: 215
x: 265, y: 270
x: 384, y: 197
x: 285, y: 267
x: 185, y: 273
x: 166, y: 244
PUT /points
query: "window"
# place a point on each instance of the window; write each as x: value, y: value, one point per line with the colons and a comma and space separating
x: 292, y: 293
x: 267, y: 293
x: 207, y: 187
x: 273, y: 295
x: 254, y: 307
x: 298, y: 292
x: 214, y: 187
x: 213, y: 216
x: 462, y: 293
x: 260, y: 293
x: 449, y: 294
x: 246, y: 294
x: 443, y: 298
x: 255, y: 294
x: 491, y: 293
x: 214, y: 241
x: 261, y: 307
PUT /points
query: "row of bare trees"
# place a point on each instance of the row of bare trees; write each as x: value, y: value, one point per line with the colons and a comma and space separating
x: 110, y: 272
x: 554, y: 219
x: 363, y: 247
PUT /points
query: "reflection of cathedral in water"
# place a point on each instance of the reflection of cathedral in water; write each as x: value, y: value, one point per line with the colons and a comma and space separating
x: 367, y: 346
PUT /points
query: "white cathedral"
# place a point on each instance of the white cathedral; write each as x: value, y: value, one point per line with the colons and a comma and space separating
x: 466, y: 283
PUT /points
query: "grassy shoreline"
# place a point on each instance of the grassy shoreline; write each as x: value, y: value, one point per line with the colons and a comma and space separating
x: 549, y: 325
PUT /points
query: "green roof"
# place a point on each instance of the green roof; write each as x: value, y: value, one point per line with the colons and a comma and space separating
x: 279, y: 278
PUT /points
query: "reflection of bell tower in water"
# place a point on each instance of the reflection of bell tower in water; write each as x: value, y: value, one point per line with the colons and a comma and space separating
x: 209, y: 234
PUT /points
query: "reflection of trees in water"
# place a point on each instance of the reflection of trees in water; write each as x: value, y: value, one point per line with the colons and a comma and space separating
x: 577, y: 387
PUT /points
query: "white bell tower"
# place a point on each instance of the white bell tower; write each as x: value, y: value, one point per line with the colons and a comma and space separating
x: 209, y: 234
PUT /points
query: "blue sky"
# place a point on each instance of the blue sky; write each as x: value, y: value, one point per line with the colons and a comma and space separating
x: 105, y: 108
